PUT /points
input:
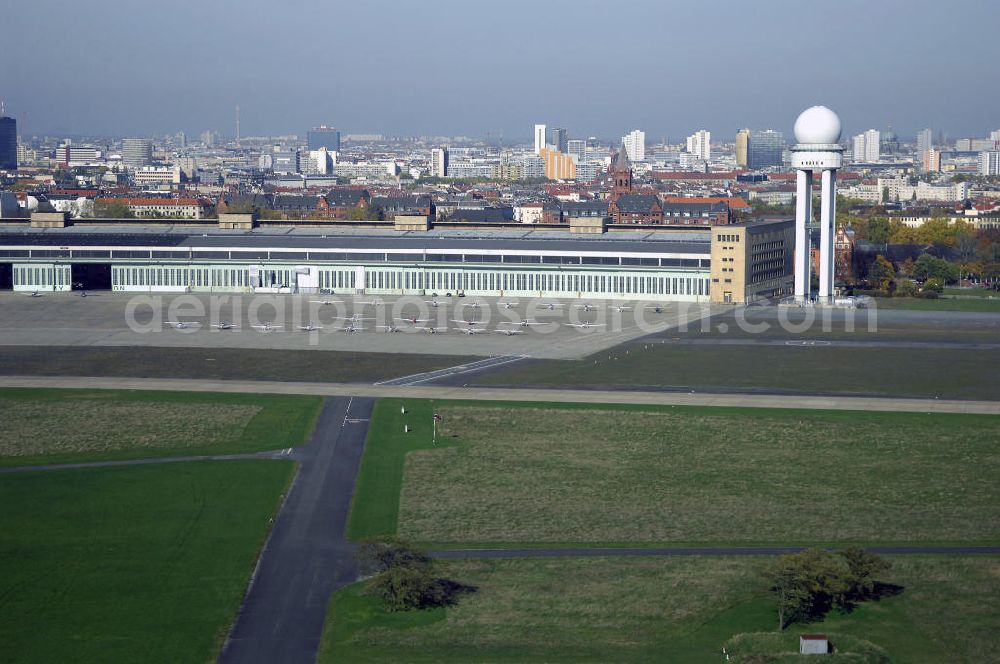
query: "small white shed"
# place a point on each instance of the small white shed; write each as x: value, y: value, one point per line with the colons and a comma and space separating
x: 813, y: 644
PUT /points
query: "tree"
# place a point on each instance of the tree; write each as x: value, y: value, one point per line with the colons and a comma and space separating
x: 881, y: 272
x: 932, y: 267
x: 405, y: 577
x: 113, y: 210
x: 364, y: 213
x: 878, y: 230
x: 862, y: 568
x: 806, y: 585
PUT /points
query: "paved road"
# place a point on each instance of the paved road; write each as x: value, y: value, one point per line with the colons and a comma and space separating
x: 271, y: 454
x: 515, y: 394
x: 307, y: 556
x: 696, y: 551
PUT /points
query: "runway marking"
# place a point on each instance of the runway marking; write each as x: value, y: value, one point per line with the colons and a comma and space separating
x: 416, y: 379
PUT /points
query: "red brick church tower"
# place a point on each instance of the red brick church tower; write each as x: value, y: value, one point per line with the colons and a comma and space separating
x: 621, y: 173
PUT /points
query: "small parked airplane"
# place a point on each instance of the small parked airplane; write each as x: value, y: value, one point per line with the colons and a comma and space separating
x: 473, y: 330
x: 353, y: 318
x: 508, y: 333
x: 585, y: 326
x: 508, y: 305
x: 523, y: 323
x: 266, y: 327
x: 182, y: 325
x: 326, y: 303
x: 224, y: 325
x: 310, y: 327
x: 587, y: 307
x: 413, y: 320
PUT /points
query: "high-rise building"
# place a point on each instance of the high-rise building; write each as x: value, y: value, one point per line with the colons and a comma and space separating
x: 866, y: 148
x: 765, y: 149
x: 989, y: 163
x: 925, y: 141
x: 539, y: 138
x: 931, y: 160
x: 699, y: 144
x: 742, y: 141
x: 8, y: 144
x: 137, y: 152
x: 576, y: 146
x: 323, y: 137
x: 635, y: 145
x: 995, y: 135
x: 556, y: 138
x: 439, y: 162
x: 558, y: 166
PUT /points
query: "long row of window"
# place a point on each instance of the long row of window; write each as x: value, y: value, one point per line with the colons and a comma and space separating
x: 243, y: 279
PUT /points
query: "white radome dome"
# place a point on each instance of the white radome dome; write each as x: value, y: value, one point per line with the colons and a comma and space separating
x: 817, y: 125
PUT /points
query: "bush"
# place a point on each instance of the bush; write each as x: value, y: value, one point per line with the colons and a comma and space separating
x: 405, y: 576
x: 905, y: 288
x: 934, y: 284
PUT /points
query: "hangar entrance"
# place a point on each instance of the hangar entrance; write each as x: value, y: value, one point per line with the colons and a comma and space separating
x: 6, y: 276
x: 91, y: 276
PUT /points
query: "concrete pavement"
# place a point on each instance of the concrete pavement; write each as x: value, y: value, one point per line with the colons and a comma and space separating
x: 909, y: 405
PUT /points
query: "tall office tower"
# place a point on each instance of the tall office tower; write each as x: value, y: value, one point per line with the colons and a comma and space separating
x: 539, y: 138
x: 137, y: 152
x: 556, y: 138
x: 8, y: 144
x: 925, y: 141
x: 635, y: 145
x: 858, y: 148
x: 323, y: 137
x: 700, y: 144
x: 576, y: 146
x: 439, y: 162
x: 989, y: 163
x: 742, y: 142
x: 765, y: 148
x: 873, y: 146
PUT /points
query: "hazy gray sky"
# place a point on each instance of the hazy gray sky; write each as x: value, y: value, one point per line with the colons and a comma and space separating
x: 476, y: 66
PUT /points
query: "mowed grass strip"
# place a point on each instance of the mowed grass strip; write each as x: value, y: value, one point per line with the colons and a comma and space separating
x: 696, y: 475
x: 138, y: 564
x: 56, y: 426
x: 658, y: 610
x: 948, y: 373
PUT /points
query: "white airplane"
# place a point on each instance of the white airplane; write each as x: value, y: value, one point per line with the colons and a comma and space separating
x: 32, y: 294
x: 181, y: 325
x: 508, y: 333
x: 508, y: 305
x: 551, y: 306
x: 587, y: 307
x: 350, y: 329
x: 585, y: 326
x: 473, y: 305
x: 522, y: 323
x: 657, y: 309
x: 266, y: 327
x: 391, y: 328
x: 473, y: 330
x: 224, y: 325
x: 353, y: 318
x: 310, y: 327
x: 326, y: 303
x: 413, y: 320
x: 468, y: 323
x: 620, y: 308
x: 432, y: 330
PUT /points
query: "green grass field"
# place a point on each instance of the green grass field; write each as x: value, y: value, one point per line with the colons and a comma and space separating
x: 659, y: 610
x: 59, y: 426
x: 980, y: 304
x: 139, y: 564
x: 323, y: 366
x: 933, y: 372
x: 515, y: 474
x: 973, y: 292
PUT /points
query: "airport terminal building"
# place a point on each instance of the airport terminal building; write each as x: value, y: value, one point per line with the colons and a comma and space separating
x: 629, y: 265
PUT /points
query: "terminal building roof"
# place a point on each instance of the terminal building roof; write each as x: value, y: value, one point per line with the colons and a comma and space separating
x: 683, y: 242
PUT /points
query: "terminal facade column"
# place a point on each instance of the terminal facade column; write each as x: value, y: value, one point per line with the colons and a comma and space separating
x: 803, y: 219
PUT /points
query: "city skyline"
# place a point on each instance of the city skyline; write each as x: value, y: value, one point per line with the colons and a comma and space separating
x: 740, y: 76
